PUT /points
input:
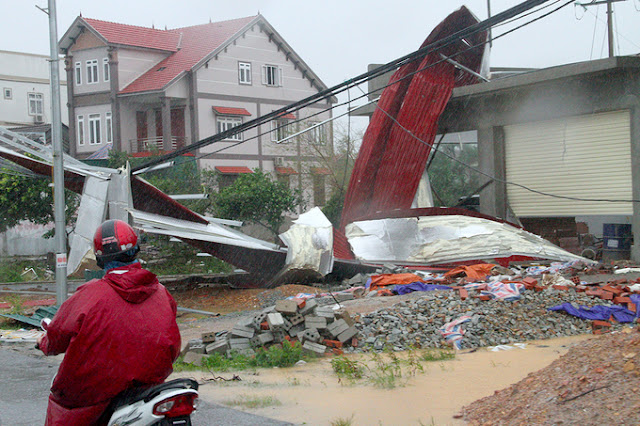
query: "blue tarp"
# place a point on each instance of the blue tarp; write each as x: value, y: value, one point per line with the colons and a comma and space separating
x: 418, y: 286
x: 598, y: 312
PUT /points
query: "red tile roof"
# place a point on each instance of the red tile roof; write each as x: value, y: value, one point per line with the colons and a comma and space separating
x: 230, y: 111
x: 131, y: 35
x: 233, y: 170
x: 289, y: 116
x: 286, y: 171
x: 189, y: 46
x: 320, y: 171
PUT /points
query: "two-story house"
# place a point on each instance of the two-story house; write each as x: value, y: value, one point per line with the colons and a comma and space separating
x: 141, y: 89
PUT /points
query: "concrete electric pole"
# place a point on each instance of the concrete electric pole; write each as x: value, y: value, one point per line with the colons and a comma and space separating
x: 58, y: 163
x: 609, y: 4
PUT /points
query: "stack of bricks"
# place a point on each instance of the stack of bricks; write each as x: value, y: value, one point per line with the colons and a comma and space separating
x: 318, y: 328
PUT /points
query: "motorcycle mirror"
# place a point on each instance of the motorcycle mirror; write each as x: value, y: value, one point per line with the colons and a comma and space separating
x: 44, y: 323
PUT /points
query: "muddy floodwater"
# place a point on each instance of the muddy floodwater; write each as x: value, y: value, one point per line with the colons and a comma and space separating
x: 312, y: 394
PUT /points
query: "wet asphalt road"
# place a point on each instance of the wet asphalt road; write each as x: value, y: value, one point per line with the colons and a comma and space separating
x: 25, y: 377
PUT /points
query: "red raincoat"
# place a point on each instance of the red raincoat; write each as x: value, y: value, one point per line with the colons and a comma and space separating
x: 117, y: 332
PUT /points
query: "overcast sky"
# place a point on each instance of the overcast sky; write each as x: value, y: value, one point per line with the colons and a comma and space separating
x: 338, y: 39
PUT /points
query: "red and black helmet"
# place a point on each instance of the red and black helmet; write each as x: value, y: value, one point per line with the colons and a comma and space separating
x: 115, y: 240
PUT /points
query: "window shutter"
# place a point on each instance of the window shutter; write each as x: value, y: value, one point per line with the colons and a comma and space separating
x: 280, y: 75
x: 264, y: 74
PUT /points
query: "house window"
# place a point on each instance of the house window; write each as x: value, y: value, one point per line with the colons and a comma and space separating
x: 78, y: 72
x: 284, y: 179
x: 227, y: 123
x: 244, y: 72
x: 80, y: 130
x: 105, y: 69
x: 36, y: 104
x: 271, y: 75
x: 317, y: 135
x: 109, y: 127
x: 280, y: 129
x: 94, y: 129
x: 319, y: 196
x: 92, y: 71
x: 8, y: 93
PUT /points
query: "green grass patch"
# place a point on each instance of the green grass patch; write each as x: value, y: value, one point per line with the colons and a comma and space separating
x: 383, y: 370
x: 346, y: 368
x: 284, y: 355
x: 253, y: 401
x: 14, y: 270
x: 432, y: 355
x: 342, y: 421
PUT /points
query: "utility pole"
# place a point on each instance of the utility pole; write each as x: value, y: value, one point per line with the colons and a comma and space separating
x: 58, y: 163
x: 609, y: 4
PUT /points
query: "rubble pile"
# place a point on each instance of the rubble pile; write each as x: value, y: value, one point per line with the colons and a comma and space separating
x: 313, y: 322
x: 417, y: 323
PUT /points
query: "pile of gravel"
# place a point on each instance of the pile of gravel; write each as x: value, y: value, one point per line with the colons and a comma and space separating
x: 416, y: 323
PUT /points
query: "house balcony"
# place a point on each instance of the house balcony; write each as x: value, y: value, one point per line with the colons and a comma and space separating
x: 155, y: 145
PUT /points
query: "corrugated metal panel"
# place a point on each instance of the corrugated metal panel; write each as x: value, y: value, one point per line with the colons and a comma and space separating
x: 584, y: 157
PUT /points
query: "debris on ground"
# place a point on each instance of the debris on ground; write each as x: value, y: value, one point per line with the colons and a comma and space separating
x: 595, y: 382
x: 316, y: 322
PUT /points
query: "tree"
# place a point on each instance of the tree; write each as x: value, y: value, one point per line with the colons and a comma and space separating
x: 25, y: 197
x: 452, y: 179
x: 182, y: 178
x: 257, y: 198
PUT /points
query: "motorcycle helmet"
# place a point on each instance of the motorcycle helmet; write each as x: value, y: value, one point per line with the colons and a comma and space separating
x: 115, y: 240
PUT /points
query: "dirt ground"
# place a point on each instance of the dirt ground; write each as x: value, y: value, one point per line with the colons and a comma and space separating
x: 443, y: 394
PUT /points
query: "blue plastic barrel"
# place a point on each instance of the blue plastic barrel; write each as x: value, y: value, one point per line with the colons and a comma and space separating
x: 616, y: 241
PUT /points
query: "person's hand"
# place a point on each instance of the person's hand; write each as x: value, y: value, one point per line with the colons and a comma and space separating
x: 39, y: 342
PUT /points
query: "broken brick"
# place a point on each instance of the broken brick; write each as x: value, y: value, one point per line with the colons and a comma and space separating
x: 621, y: 299
x: 463, y: 293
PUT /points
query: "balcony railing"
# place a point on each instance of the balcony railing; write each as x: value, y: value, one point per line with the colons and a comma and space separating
x: 155, y: 144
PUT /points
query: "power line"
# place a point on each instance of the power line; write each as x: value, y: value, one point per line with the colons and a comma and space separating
x: 327, y: 93
x: 380, y: 88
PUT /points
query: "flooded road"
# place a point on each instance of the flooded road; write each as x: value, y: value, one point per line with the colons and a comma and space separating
x: 311, y: 393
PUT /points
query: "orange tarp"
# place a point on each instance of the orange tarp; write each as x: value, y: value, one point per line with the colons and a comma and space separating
x: 473, y: 272
x: 393, y: 279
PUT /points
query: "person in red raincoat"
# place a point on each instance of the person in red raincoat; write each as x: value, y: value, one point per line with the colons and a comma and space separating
x: 117, y: 333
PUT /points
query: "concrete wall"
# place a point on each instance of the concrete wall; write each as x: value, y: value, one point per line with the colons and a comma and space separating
x: 132, y: 63
x: 26, y: 240
x: 81, y: 57
x: 85, y: 111
x: 24, y: 73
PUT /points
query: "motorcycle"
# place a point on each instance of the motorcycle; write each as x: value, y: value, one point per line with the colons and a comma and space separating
x: 169, y: 403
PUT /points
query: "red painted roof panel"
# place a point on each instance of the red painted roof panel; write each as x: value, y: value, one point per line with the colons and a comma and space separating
x: 233, y: 170
x: 230, y: 111
x: 286, y: 171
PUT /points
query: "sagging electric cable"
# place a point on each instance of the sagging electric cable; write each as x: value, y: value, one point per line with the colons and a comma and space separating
x: 392, y: 83
x: 327, y: 93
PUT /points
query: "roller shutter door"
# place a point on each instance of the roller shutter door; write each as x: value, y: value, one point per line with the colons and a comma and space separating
x: 584, y: 157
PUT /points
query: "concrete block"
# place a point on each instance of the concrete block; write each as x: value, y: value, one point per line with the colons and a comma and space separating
x: 245, y: 322
x: 337, y: 327
x: 265, y: 337
x: 247, y: 352
x: 242, y: 331
x: 296, y: 329
x: 193, y: 358
x: 348, y: 334
x: 259, y: 319
x: 275, y: 320
x: 341, y: 297
x: 326, y: 312
x: 287, y: 324
x: 239, y: 343
x: 314, y: 347
x: 358, y: 279
x: 309, y: 307
x: 279, y: 336
x: 345, y: 315
x: 219, y: 346
x: 311, y: 321
x: 296, y: 319
x: 309, y: 334
x: 197, y: 348
x: 208, y: 337
x: 287, y: 307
